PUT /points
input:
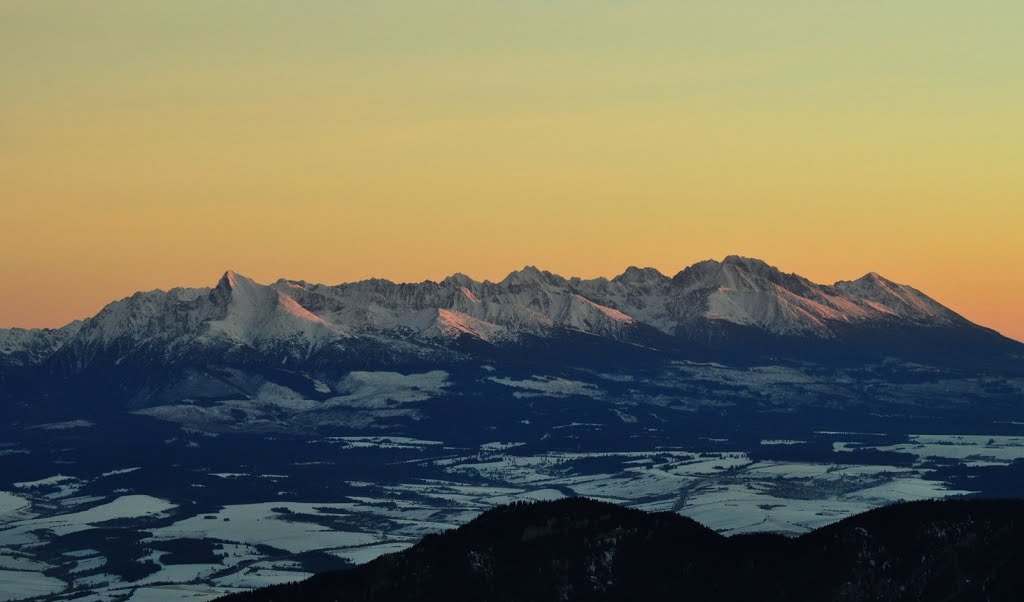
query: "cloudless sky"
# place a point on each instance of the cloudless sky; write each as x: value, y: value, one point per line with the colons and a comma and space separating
x: 155, y: 144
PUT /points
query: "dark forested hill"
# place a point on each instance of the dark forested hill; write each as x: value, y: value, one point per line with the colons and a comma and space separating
x: 579, y: 549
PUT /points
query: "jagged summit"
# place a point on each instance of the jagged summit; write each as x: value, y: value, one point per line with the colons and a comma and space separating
x: 747, y: 262
x: 295, y: 321
x: 232, y: 280
x: 458, y: 279
x: 734, y: 272
x: 886, y: 296
x: 634, y: 274
x: 531, y: 275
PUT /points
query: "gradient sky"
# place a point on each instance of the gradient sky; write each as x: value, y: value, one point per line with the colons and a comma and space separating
x: 153, y: 144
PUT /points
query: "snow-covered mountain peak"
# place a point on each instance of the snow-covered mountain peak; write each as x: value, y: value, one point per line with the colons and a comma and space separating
x: 235, y: 290
x: 898, y: 300
x: 748, y: 263
x: 227, y: 281
x: 869, y: 280
x: 460, y: 280
x: 754, y: 267
x: 635, y: 275
x: 737, y: 274
x: 256, y: 315
x: 232, y: 280
x: 295, y: 319
x: 532, y: 276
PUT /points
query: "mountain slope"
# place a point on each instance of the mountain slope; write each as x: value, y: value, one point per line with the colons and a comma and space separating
x: 736, y: 291
x: 577, y: 549
x: 26, y: 347
x: 136, y: 347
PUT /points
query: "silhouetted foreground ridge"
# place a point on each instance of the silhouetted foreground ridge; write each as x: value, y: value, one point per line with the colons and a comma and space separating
x: 579, y: 549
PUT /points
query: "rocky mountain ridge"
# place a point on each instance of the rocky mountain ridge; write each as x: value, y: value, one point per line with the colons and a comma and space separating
x: 303, y: 317
x: 186, y: 343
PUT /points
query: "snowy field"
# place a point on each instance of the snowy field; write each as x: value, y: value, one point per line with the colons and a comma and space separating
x: 971, y: 450
x: 285, y: 524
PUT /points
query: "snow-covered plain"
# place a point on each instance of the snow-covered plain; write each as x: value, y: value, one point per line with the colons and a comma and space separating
x: 971, y: 449
x: 441, y: 487
x: 260, y: 523
x: 11, y: 504
x: 18, y: 585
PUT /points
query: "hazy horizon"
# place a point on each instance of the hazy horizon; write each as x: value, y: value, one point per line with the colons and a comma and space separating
x: 150, y: 145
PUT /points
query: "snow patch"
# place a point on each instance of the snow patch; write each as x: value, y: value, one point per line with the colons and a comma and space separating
x: 379, y: 389
x: 548, y: 386
x: 612, y: 313
x: 453, y: 323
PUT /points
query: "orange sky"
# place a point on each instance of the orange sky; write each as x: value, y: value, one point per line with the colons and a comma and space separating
x: 147, y: 145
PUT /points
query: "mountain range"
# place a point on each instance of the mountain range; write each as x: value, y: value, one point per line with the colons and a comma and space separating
x: 143, y: 348
x: 358, y: 418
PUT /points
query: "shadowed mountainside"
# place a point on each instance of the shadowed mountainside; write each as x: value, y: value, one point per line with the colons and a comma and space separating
x: 579, y: 549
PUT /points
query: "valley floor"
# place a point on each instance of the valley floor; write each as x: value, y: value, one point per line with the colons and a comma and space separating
x: 170, y: 514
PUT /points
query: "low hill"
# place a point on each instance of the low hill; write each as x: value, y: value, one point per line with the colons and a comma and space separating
x: 579, y: 549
